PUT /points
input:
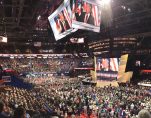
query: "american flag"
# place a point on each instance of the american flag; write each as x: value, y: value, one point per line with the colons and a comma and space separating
x: 95, y: 12
x: 73, y: 5
x: 84, y: 5
x: 114, y: 64
x: 67, y: 16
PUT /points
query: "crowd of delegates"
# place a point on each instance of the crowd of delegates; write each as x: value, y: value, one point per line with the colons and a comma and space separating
x: 22, y: 65
x: 41, y: 80
x: 68, y: 98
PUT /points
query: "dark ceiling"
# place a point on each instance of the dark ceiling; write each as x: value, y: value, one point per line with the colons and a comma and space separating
x: 25, y: 21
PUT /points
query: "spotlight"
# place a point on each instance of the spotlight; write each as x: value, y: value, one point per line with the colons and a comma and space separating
x: 38, y: 18
x: 123, y: 7
x: 129, y: 9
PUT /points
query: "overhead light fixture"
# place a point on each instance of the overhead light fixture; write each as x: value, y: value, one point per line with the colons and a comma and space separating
x: 38, y: 18
x: 123, y: 7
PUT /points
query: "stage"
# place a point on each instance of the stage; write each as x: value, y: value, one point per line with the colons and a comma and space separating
x: 144, y: 84
x: 101, y: 83
x: 98, y: 83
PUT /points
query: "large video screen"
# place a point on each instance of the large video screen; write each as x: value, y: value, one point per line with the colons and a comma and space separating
x: 60, y: 20
x: 103, y: 64
x: 107, y: 68
x: 86, y: 14
x: 72, y: 15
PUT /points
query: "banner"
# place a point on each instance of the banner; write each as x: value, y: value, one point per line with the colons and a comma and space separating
x: 114, y: 64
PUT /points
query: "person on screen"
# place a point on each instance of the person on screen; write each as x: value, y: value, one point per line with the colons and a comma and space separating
x: 64, y: 23
x: 88, y: 18
x: 79, y: 14
x: 105, y: 64
x: 58, y: 26
x: 61, y: 23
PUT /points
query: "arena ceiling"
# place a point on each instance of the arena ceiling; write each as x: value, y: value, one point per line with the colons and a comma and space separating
x: 26, y: 21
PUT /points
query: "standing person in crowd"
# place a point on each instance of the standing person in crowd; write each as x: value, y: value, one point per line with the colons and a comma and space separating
x: 20, y: 113
x: 144, y: 114
x: 3, y: 114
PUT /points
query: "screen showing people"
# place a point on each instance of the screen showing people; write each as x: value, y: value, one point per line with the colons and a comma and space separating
x: 72, y: 15
x: 85, y: 15
x: 108, y: 64
x: 103, y: 64
x: 62, y: 24
x: 60, y: 20
x: 114, y: 64
x: 83, y: 12
x: 107, y: 68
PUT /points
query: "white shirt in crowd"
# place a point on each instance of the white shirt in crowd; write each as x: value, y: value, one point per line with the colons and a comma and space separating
x: 132, y: 106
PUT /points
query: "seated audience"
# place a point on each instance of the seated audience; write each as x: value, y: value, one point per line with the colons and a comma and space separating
x: 65, y: 97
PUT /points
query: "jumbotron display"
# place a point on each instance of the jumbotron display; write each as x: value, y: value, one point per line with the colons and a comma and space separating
x: 86, y: 15
x: 73, y: 15
x: 60, y: 20
x: 107, y: 68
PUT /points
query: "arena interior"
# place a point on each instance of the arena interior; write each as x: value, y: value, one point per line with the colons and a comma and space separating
x: 75, y: 58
